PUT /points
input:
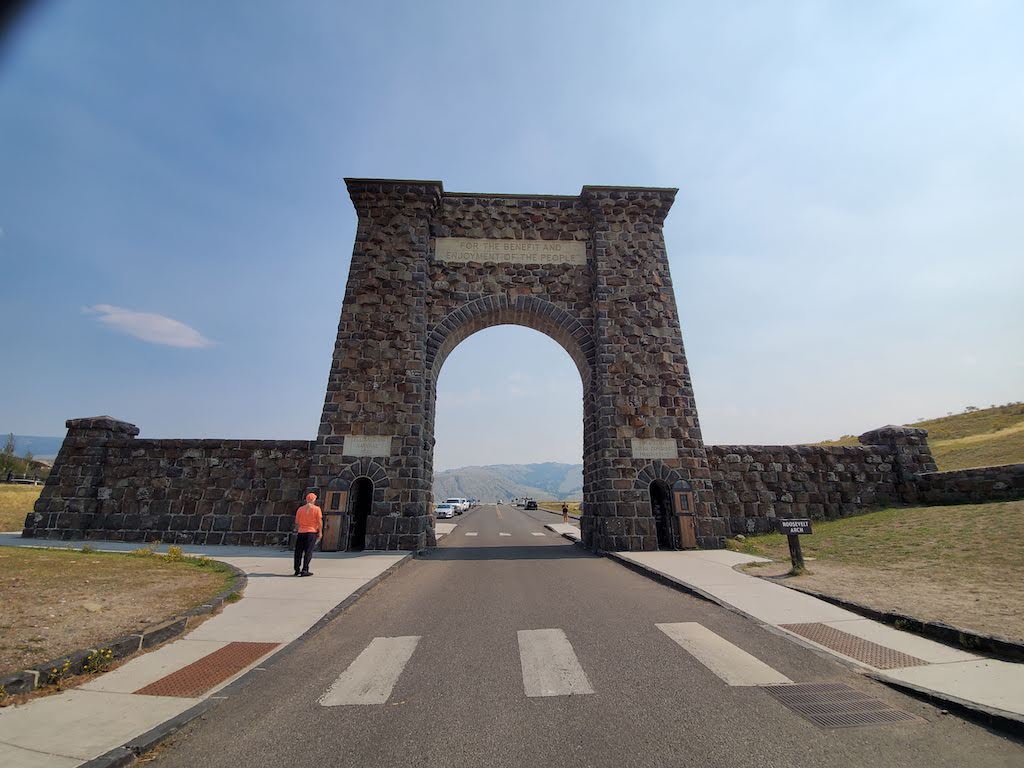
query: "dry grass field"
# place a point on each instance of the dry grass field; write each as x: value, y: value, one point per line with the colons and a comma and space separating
x: 56, y: 601
x: 16, y: 501
x: 963, y: 565
x: 981, y: 438
x: 556, y: 506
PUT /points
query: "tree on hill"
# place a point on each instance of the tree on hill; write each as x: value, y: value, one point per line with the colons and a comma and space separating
x: 17, y: 466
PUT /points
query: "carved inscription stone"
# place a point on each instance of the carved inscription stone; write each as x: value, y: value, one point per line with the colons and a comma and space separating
x: 466, y: 249
x: 654, y: 448
x: 367, y: 445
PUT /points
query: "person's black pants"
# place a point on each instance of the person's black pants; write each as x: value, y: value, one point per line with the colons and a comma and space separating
x: 304, y: 543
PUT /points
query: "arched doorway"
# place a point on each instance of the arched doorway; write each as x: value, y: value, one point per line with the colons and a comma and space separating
x: 359, y: 511
x: 661, y: 510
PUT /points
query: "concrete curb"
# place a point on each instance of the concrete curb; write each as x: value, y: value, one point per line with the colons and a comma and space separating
x: 36, y: 678
x: 963, y: 639
x: 996, y: 718
x: 131, y: 750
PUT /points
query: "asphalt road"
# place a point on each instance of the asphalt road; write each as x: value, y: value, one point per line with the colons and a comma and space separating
x: 460, y: 698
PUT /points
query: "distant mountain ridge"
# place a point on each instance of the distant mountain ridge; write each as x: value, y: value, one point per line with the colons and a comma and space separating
x: 548, y: 481
x: 41, y: 447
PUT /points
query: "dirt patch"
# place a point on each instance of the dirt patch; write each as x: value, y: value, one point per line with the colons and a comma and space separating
x: 59, y: 601
x: 962, y: 565
x: 989, y: 609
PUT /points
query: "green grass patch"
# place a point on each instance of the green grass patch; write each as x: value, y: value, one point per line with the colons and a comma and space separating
x: 16, y: 501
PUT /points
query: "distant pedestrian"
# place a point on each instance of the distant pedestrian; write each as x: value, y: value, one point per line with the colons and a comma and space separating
x: 309, y: 523
x: 565, y: 513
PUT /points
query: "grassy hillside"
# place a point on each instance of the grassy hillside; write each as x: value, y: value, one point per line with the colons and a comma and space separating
x: 978, y: 438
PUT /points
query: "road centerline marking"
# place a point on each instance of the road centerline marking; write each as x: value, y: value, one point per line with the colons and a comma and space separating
x: 371, y: 678
x: 731, y: 663
x: 504, y: 534
x: 550, y: 666
x: 471, y: 533
x: 537, y: 533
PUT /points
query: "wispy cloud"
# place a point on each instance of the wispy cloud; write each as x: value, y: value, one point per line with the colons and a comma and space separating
x: 156, y: 329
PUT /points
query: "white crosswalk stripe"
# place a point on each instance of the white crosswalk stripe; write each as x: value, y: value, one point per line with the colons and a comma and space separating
x: 537, y: 533
x: 471, y: 533
x: 372, y: 676
x: 733, y: 665
x: 550, y: 666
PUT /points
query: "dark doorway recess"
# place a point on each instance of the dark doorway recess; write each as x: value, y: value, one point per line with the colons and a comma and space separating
x: 362, y: 502
x: 661, y: 509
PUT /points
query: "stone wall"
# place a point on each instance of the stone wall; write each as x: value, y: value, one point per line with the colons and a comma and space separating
x: 966, y: 486
x: 107, y: 484
x: 754, y: 484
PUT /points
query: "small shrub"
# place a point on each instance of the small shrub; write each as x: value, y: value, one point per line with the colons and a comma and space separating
x: 233, y: 597
x: 3, y: 693
x: 87, y: 549
x: 202, y: 561
x: 143, y: 551
x: 174, y: 555
x: 56, y: 675
x: 99, y: 661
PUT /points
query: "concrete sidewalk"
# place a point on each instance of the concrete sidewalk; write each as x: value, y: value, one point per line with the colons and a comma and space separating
x: 979, y: 683
x: 112, y: 709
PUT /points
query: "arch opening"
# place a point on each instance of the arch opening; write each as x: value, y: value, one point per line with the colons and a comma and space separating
x: 361, y: 504
x: 661, y: 510
x: 507, y: 397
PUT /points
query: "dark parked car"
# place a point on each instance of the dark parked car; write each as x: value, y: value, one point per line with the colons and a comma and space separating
x: 531, y: 504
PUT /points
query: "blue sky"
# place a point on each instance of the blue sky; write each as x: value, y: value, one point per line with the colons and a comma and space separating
x: 846, y: 246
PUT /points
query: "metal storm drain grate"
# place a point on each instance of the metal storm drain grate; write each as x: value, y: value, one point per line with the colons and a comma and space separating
x: 873, y: 654
x: 203, y: 674
x: 836, y: 705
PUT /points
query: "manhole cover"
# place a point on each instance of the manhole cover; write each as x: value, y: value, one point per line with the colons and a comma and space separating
x: 836, y: 705
x: 873, y: 654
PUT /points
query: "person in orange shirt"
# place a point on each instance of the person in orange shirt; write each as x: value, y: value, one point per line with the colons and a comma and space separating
x: 309, y: 522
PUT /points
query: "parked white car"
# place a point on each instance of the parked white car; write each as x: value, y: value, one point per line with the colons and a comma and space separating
x: 442, y: 511
x: 461, y: 505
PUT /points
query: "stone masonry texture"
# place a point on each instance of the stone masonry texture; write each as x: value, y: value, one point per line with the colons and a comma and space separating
x: 107, y: 484
x: 403, y: 312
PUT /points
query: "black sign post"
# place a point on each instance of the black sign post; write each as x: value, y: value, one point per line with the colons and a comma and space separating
x: 794, y: 529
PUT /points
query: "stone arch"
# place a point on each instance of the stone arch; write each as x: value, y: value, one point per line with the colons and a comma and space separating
x: 430, y: 268
x: 659, y: 471
x: 364, y: 467
x: 528, y: 311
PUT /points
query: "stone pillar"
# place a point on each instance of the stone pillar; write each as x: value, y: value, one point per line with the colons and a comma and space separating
x: 375, y: 400
x: 74, y: 494
x: 643, y: 398
x: 911, y: 456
